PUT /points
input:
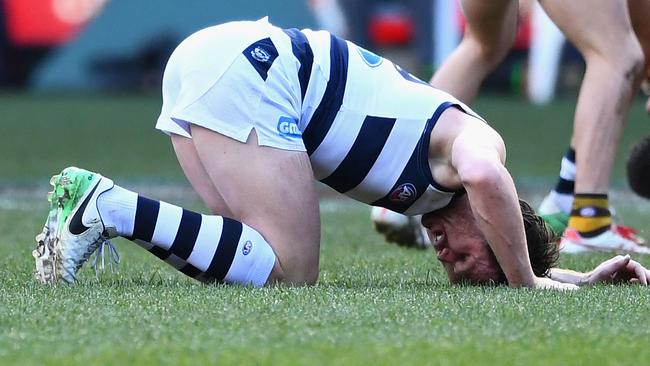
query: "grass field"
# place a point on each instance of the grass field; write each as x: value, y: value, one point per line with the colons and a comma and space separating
x: 374, y: 304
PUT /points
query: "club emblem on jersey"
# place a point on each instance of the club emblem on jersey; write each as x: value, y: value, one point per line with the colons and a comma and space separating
x: 260, y: 54
x: 288, y: 127
x: 248, y: 246
x: 371, y: 59
x: 404, y: 193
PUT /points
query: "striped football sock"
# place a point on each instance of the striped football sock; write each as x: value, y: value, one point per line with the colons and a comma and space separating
x: 208, y: 248
x: 562, y: 194
x: 590, y: 214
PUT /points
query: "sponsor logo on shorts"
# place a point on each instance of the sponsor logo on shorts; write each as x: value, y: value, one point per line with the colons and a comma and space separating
x: 404, y: 193
x: 248, y: 246
x: 371, y: 59
x: 260, y: 54
x: 288, y: 127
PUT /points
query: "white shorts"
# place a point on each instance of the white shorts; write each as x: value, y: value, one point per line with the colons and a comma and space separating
x: 209, y: 82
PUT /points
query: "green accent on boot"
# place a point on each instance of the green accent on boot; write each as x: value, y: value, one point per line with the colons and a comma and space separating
x: 69, y: 187
x: 557, y: 221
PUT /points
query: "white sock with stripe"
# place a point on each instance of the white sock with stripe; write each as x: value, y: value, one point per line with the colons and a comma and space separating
x: 209, y: 248
x: 118, y: 209
x: 562, y: 194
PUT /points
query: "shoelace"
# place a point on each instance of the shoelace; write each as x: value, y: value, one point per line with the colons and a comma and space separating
x: 112, y: 251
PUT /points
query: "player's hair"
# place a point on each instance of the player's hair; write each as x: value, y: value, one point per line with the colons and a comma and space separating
x: 542, y: 243
x: 638, y: 167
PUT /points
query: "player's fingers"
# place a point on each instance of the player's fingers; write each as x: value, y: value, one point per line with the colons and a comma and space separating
x: 615, y: 265
x: 619, y: 261
x: 640, y: 273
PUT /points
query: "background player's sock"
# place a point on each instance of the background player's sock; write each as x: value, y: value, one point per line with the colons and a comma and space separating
x: 562, y: 194
x: 590, y: 214
x: 209, y: 248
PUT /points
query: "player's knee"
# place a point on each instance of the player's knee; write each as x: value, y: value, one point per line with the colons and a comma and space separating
x: 309, y: 275
x: 491, y: 54
x: 294, y: 274
x: 300, y: 277
x: 629, y: 63
x: 292, y: 278
x: 295, y: 269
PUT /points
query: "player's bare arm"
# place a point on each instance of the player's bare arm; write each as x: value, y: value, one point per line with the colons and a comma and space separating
x: 619, y: 269
x: 477, y: 154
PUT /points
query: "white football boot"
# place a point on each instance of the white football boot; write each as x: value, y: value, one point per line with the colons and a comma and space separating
x: 74, y: 228
x: 609, y: 241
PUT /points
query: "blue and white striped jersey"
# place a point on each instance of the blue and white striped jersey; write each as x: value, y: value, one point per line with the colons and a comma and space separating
x: 364, y: 121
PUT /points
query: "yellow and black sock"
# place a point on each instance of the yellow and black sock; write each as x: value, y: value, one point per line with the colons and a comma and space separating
x: 590, y: 214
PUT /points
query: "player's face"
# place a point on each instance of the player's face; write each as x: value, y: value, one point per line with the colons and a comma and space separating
x: 461, y: 249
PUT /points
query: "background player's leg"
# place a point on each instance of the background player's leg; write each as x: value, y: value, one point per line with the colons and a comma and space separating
x: 639, y: 14
x: 489, y: 34
x: 271, y: 190
x: 602, y: 32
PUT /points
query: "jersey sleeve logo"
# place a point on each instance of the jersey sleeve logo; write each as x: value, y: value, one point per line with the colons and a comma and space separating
x: 371, y: 59
x: 260, y: 54
x: 404, y: 193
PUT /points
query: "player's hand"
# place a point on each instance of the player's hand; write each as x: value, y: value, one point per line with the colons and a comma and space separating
x: 619, y: 269
x: 547, y: 283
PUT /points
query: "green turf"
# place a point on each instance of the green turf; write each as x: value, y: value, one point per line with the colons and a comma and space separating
x: 374, y: 304
x: 43, y: 134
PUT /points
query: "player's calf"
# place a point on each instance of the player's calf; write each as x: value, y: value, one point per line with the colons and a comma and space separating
x: 206, y: 247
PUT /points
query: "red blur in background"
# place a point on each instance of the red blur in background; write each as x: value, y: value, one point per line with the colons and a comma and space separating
x: 390, y: 28
x: 47, y: 22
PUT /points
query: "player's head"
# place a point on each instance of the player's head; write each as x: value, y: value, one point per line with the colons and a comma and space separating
x: 466, y: 255
x: 638, y: 167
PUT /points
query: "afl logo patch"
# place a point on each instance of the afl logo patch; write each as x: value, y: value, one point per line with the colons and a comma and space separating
x: 404, y: 193
x: 248, y: 246
x: 260, y: 54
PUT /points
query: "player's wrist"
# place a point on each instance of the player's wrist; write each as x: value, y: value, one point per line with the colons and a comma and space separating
x: 572, y: 277
x: 527, y: 280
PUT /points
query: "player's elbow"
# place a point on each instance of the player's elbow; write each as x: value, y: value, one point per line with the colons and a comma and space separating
x: 479, y: 157
x: 482, y: 172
